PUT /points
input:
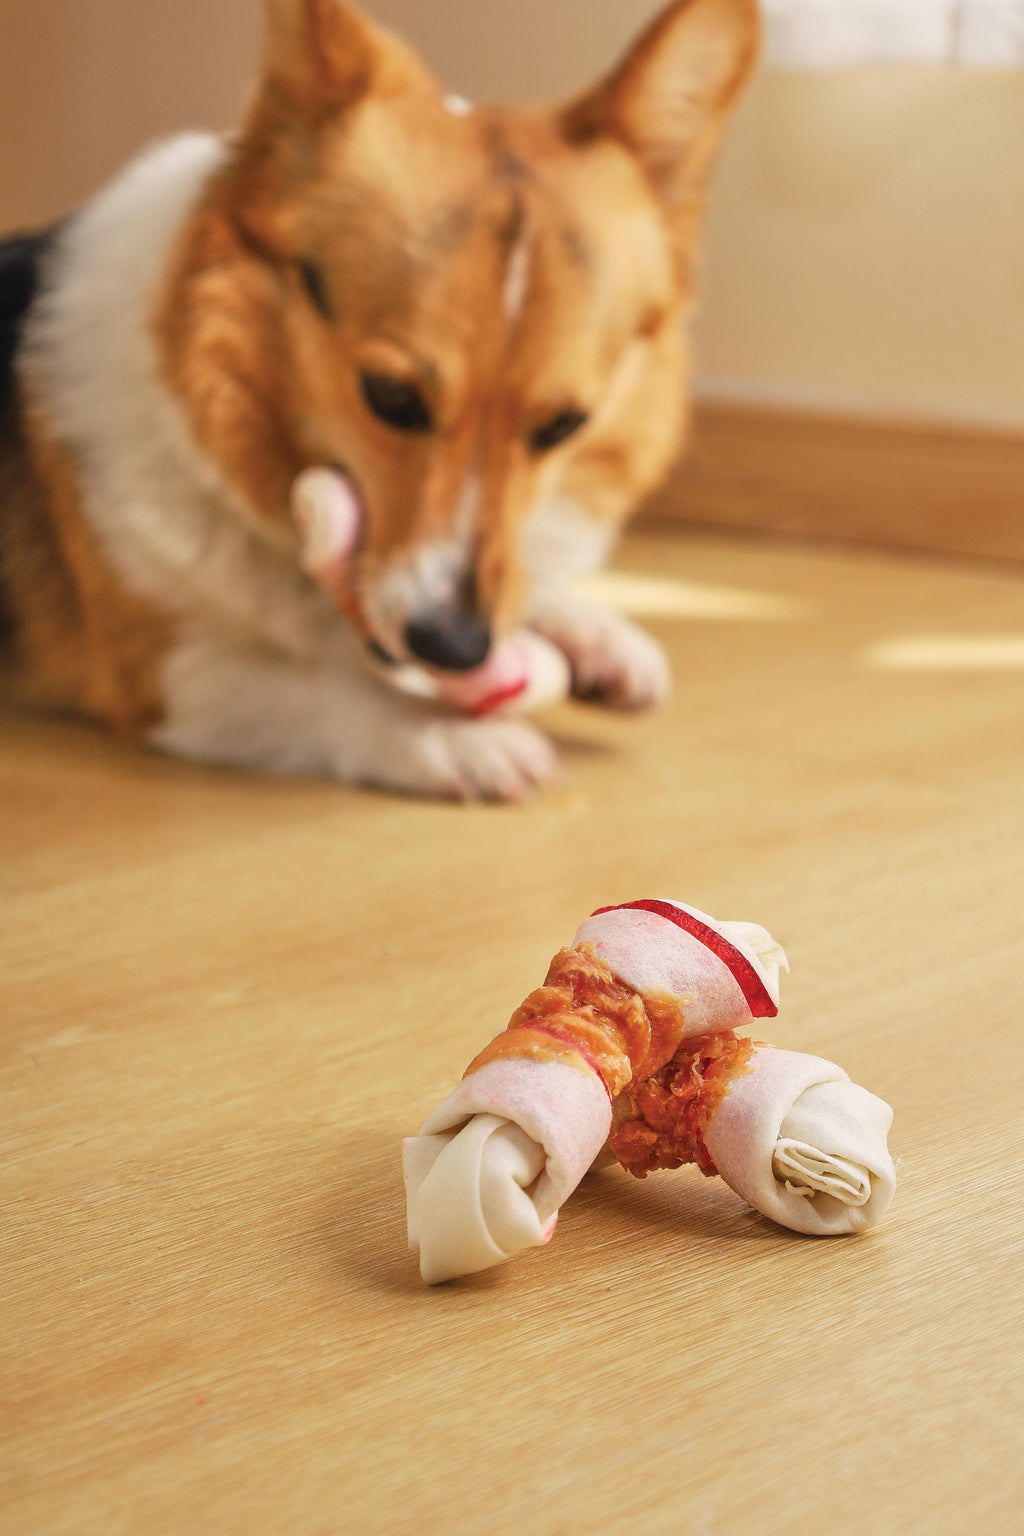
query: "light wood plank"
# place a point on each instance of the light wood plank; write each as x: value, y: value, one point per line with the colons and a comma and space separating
x: 225, y: 999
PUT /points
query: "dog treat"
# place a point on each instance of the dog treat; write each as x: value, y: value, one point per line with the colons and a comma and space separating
x: 629, y: 1051
x: 523, y: 672
x: 790, y: 1133
x: 491, y: 1167
x: 805, y: 1145
x: 329, y: 518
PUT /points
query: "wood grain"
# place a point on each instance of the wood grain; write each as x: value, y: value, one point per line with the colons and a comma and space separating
x: 225, y: 998
x: 957, y: 490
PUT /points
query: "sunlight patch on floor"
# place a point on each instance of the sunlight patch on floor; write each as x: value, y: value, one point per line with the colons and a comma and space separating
x: 660, y: 597
x: 948, y: 653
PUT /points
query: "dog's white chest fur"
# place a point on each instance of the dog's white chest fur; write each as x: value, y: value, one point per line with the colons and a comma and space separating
x: 264, y: 672
x: 166, y: 520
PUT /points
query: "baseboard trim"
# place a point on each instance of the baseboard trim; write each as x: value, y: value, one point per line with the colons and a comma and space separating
x: 942, y: 488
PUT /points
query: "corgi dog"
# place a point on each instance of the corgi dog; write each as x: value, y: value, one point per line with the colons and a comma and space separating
x: 473, y: 316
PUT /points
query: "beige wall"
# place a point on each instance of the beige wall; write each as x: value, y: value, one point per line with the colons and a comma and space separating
x: 866, y: 248
x: 84, y: 83
x: 510, y: 49
x: 866, y: 245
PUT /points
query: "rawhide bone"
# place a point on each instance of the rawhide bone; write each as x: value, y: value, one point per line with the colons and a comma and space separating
x: 630, y: 1048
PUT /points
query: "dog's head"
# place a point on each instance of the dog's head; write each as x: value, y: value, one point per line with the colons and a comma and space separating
x: 472, y: 312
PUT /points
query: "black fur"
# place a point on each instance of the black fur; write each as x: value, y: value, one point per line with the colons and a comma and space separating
x: 21, y: 260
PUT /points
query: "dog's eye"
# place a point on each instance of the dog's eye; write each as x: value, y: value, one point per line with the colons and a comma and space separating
x: 399, y: 404
x: 316, y: 288
x: 557, y: 430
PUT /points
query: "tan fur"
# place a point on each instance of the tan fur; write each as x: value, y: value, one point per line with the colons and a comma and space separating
x: 512, y: 265
x: 349, y: 159
x: 82, y: 640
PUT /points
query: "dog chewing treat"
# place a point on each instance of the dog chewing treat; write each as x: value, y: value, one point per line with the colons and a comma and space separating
x: 630, y: 1051
x: 521, y: 673
x: 425, y: 356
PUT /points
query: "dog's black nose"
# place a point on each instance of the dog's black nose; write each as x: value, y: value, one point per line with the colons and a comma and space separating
x: 454, y: 639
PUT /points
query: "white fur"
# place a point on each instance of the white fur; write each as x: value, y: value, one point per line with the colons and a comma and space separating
x: 415, y: 584
x: 563, y: 541
x: 517, y: 278
x: 265, y: 672
x: 229, y: 705
x: 613, y: 661
x: 165, y: 517
x: 467, y: 510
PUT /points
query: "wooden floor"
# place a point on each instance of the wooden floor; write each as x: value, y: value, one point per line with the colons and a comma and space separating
x: 226, y: 998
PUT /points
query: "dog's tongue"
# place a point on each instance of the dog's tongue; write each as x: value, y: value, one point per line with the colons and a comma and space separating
x: 504, y: 676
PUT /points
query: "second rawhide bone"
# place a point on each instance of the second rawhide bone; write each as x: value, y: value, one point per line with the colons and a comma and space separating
x: 631, y: 1045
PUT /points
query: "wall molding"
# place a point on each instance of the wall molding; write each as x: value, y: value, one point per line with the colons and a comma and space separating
x: 954, y: 490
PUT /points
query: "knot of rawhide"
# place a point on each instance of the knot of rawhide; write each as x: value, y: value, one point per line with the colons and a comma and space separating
x: 585, y: 1016
x: 661, y: 1123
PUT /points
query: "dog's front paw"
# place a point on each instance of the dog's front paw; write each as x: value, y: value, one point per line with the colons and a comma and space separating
x: 613, y: 662
x: 469, y: 759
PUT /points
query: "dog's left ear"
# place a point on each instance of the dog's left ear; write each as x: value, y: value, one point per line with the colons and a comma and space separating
x: 321, y: 56
x: 670, y: 98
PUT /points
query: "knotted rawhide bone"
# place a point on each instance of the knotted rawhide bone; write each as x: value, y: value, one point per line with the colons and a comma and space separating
x: 803, y: 1144
x: 630, y: 1048
x: 491, y: 1167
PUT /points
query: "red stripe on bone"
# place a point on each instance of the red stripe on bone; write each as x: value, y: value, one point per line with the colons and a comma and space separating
x: 495, y: 700
x: 753, y: 988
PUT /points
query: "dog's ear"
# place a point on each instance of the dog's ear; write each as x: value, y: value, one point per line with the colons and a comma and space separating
x: 321, y: 56
x: 669, y: 99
